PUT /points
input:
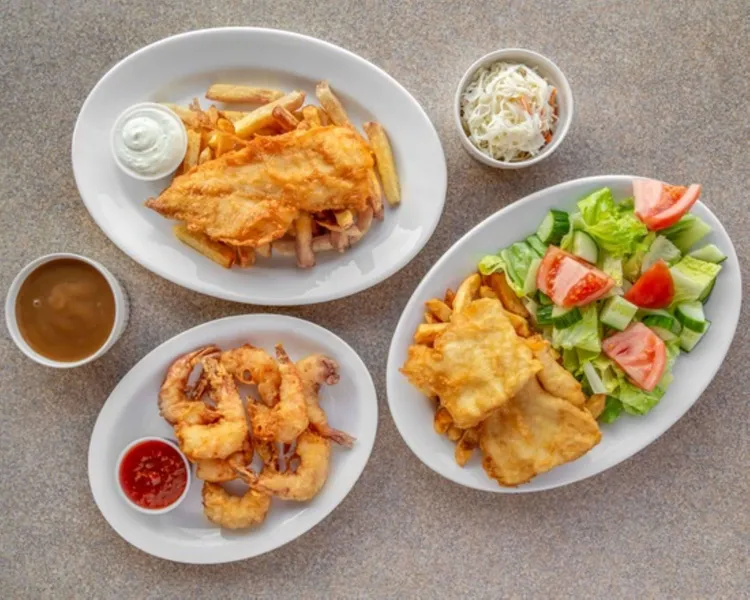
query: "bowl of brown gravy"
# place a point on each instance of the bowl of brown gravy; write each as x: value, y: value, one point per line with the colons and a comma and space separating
x: 65, y: 310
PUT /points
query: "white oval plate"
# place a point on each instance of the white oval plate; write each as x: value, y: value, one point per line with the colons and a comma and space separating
x: 693, y: 372
x: 184, y: 534
x: 182, y: 67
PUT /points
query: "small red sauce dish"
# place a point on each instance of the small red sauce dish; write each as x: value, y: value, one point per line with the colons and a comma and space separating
x: 153, y: 475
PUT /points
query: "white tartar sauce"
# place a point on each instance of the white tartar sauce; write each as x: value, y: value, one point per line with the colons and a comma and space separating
x: 149, y: 140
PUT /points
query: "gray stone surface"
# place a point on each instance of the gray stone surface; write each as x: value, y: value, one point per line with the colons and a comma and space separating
x: 661, y: 89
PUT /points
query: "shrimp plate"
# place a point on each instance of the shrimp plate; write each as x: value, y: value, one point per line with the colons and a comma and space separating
x: 185, y: 534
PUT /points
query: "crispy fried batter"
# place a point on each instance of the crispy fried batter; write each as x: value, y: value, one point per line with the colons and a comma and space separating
x: 533, y: 433
x: 478, y: 363
x: 251, y: 196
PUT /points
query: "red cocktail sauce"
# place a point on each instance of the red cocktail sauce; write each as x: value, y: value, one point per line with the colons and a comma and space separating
x: 152, y: 474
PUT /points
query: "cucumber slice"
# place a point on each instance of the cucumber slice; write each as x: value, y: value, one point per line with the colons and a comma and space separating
x: 553, y: 227
x: 536, y: 244
x: 585, y: 247
x: 665, y: 334
x: 544, y: 314
x: 687, y: 231
x: 529, y: 284
x: 544, y: 299
x: 618, y: 312
x: 709, y: 253
x: 664, y: 321
x: 562, y: 318
x: 707, y: 292
x: 661, y: 248
x: 689, y: 338
x: 690, y: 314
x: 692, y: 278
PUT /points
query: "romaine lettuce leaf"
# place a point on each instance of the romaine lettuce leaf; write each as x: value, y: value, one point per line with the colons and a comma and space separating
x: 615, y: 228
x: 492, y: 263
x: 612, y: 410
x: 518, y: 259
x: 584, y: 335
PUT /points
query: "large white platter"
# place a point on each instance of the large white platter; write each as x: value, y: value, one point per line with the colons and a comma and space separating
x: 413, y: 412
x: 180, y: 68
x: 184, y: 534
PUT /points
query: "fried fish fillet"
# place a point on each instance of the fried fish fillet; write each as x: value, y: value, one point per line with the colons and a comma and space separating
x: 533, y: 433
x: 477, y: 364
x: 250, y: 197
x: 554, y: 378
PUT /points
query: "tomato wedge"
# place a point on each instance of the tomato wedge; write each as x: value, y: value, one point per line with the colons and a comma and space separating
x: 654, y: 288
x: 659, y: 205
x: 570, y: 281
x: 640, y: 353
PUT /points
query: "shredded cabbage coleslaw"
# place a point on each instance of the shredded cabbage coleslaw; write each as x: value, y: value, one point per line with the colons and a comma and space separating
x: 509, y: 111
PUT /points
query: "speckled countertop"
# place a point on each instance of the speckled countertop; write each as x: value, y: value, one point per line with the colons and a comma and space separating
x: 661, y: 89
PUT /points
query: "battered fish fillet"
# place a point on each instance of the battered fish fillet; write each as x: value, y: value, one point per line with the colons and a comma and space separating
x: 556, y: 379
x: 251, y: 196
x: 477, y: 364
x: 533, y: 433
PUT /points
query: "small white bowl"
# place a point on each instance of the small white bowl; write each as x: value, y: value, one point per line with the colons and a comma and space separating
x: 547, y: 69
x: 153, y: 511
x: 122, y: 311
x: 168, y: 169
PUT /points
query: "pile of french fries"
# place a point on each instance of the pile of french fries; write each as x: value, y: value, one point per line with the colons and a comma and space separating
x: 216, y: 131
x: 436, y: 319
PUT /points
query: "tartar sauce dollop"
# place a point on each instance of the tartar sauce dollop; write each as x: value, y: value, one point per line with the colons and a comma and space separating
x: 149, y: 140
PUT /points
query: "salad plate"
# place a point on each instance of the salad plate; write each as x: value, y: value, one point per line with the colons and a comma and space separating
x: 621, y: 438
x: 183, y: 67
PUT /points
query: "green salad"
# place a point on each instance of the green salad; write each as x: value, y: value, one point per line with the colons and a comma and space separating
x: 618, y: 288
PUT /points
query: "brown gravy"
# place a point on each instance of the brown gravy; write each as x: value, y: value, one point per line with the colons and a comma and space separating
x: 65, y: 310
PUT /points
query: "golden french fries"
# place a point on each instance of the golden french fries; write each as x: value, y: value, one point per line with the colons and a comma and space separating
x: 466, y: 445
x: 239, y: 94
x: 595, y: 404
x: 381, y: 148
x: 429, y: 318
x: 331, y: 104
x: 486, y: 291
x: 264, y: 251
x: 442, y: 421
x: 193, y: 150
x: 344, y: 218
x: 450, y: 295
x: 233, y: 115
x: 206, y: 154
x: 262, y: 117
x: 467, y: 291
x: 376, y: 196
x: 508, y: 298
x: 216, y: 251
x: 426, y: 333
x: 245, y: 256
x: 303, y: 241
x: 439, y: 309
x: 284, y: 118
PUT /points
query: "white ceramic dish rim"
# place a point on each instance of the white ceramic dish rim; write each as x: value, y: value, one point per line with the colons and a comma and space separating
x: 532, y: 59
x: 428, y: 228
x: 222, y: 555
x: 188, y: 469
x: 167, y: 170
x: 12, y: 324
x: 393, y: 366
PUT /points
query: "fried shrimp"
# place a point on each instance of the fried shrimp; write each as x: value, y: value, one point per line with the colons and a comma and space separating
x: 174, y: 403
x: 218, y: 470
x: 227, y: 434
x: 288, y: 418
x: 315, y: 370
x: 234, y: 512
x: 313, y: 453
x: 254, y: 366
